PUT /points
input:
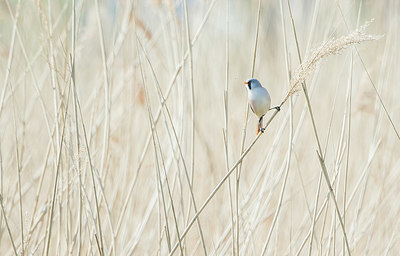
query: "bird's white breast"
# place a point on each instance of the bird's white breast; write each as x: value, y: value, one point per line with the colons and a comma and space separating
x: 260, y: 100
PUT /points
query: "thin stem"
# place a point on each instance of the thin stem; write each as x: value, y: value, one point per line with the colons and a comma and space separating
x: 226, y: 136
x: 154, y: 134
x: 17, y: 157
x: 192, y: 109
x: 239, y: 170
x: 56, y: 179
x: 348, y: 140
x: 10, y: 57
x: 78, y: 144
x: 152, y: 126
x: 278, y: 208
x: 106, y: 94
x: 8, y: 227
x: 334, y: 200
x: 52, y: 68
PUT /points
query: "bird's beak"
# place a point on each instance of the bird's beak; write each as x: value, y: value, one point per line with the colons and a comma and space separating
x: 245, y: 82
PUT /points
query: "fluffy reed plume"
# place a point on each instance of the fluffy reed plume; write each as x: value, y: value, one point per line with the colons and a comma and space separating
x: 332, y: 46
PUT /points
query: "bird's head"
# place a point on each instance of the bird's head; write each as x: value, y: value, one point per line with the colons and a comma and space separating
x: 252, y: 83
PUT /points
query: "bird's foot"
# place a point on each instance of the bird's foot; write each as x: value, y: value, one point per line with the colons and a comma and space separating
x: 262, y: 130
x: 278, y: 108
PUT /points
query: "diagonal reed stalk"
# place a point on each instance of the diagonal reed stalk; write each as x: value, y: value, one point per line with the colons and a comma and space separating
x: 78, y: 143
x: 19, y: 169
x: 30, y: 69
x: 7, y: 225
x: 100, y: 232
x: 53, y: 199
x: 168, y: 117
x: 107, y: 108
x: 154, y: 136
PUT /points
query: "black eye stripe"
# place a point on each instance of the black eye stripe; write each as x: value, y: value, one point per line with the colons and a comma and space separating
x: 249, y: 85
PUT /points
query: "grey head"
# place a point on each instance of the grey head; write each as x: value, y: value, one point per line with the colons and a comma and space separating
x: 252, y: 83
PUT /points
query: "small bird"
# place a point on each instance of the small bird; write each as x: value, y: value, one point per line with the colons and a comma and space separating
x: 259, y: 100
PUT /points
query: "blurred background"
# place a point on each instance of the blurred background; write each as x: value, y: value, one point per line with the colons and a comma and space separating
x: 118, y: 119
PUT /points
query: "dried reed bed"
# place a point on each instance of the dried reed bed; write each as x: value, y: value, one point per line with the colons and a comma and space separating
x: 124, y: 129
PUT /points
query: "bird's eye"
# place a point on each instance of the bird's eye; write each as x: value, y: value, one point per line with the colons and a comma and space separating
x: 249, y: 85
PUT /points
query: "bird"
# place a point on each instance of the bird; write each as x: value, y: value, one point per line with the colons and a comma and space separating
x: 259, y: 100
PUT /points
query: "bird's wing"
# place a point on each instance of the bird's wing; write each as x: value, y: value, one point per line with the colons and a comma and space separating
x: 252, y: 108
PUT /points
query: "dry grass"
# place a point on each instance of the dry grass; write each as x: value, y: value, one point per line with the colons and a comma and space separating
x: 124, y: 128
